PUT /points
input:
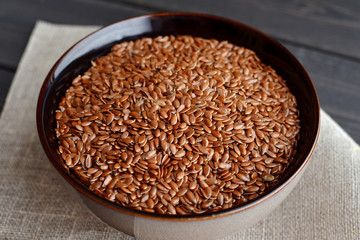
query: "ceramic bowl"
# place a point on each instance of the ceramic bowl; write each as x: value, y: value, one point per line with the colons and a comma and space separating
x: 203, y: 226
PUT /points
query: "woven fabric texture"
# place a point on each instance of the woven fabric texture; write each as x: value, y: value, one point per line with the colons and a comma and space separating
x: 35, y: 205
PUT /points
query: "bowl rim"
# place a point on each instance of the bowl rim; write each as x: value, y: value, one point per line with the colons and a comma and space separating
x: 182, y: 218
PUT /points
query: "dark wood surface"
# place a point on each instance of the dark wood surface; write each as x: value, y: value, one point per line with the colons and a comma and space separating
x: 323, y: 34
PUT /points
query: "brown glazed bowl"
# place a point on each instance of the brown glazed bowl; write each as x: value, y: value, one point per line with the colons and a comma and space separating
x: 203, y: 226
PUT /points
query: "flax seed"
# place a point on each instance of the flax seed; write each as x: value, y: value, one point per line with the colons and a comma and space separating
x: 146, y: 138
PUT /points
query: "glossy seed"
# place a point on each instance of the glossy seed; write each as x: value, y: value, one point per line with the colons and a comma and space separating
x: 178, y: 125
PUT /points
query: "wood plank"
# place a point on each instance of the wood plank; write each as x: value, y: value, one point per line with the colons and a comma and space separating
x: 329, y: 25
x: 66, y: 11
x: 6, y: 77
x: 14, y: 38
x: 18, y: 17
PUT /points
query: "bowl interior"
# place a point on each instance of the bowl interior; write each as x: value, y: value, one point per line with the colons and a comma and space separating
x: 77, y: 60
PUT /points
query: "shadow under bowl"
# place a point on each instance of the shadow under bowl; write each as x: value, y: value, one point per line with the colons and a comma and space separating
x: 202, y: 226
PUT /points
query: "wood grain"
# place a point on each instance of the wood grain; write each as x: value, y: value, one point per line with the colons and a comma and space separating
x: 332, y: 26
x: 18, y: 17
x: 14, y: 37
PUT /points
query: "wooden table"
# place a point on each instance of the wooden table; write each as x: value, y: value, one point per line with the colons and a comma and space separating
x: 323, y: 34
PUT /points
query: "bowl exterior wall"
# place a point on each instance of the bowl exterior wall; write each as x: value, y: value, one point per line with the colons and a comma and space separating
x: 219, y: 227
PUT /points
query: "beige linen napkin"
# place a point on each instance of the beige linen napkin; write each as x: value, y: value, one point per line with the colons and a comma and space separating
x: 34, y: 204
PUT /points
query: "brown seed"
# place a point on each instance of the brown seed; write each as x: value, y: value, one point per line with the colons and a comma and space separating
x: 260, y: 167
x: 217, y: 134
x: 153, y: 192
x: 174, y: 186
x: 190, y: 133
x: 268, y: 178
x: 179, y: 175
x: 207, y: 192
x: 190, y: 195
x: 192, y: 185
x: 150, y: 154
x: 252, y: 189
x: 224, y: 165
x: 164, y: 145
x: 109, y: 118
x: 264, y: 148
x: 121, y: 198
x: 178, y: 125
x: 205, y: 142
x: 154, y: 123
x: 203, y: 149
x: 182, y: 192
x: 58, y: 115
x: 182, y: 140
x: 186, y: 118
x: 180, y: 153
x: 220, y: 199
x: 150, y: 203
x: 79, y: 127
x: 224, y: 158
x: 206, y: 204
x: 68, y: 160
x: 192, y: 119
x: 107, y: 180
x: 173, y: 149
x: 88, y: 162
x: 173, y: 119
x: 141, y: 139
x: 243, y: 177
x: 171, y: 209
x: 175, y: 201
x: 206, y: 170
